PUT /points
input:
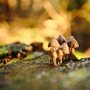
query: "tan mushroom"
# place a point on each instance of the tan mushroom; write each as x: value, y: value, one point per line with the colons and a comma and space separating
x: 61, y: 48
x: 60, y: 55
x: 65, y: 48
x: 72, y: 43
x: 62, y: 52
x: 54, y: 55
x: 54, y: 45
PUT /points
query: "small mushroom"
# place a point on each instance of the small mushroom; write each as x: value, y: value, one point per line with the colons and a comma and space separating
x: 61, y: 39
x: 60, y: 56
x: 72, y: 43
x: 54, y: 45
x: 54, y: 55
x: 65, y: 48
x: 60, y: 48
x: 64, y: 52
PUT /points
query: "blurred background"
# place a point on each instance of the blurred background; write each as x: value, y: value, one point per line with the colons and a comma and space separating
x: 30, y: 21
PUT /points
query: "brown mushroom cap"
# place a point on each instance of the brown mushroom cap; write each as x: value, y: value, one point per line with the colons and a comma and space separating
x: 72, y: 42
x: 53, y: 43
x: 65, y: 48
x: 61, y: 39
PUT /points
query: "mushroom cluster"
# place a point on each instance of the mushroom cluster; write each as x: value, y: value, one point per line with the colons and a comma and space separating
x: 61, y: 47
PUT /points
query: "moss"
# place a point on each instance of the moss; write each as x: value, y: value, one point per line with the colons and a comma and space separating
x: 3, y: 51
x: 34, y: 72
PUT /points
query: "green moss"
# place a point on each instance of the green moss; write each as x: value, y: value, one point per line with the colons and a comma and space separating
x: 3, y: 50
x: 30, y: 56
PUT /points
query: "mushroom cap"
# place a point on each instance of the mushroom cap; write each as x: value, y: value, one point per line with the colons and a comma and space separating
x: 65, y: 48
x: 61, y: 39
x: 53, y: 43
x: 72, y: 42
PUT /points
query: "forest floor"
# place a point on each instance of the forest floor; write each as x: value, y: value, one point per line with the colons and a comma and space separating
x: 34, y: 73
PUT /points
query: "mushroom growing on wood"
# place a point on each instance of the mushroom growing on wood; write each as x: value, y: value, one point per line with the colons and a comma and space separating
x: 65, y: 48
x: 60, y: 48
x: 54, y: 45
x: 72, y: 43
x: 62, y: 52
x: 60, y: 55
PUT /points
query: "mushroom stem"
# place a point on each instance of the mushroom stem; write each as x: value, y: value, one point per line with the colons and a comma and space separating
x: 53, y: 53
x: 54, y: 58
x: 60, y: 59
x: 60, y: 56
x: 70, y: 49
